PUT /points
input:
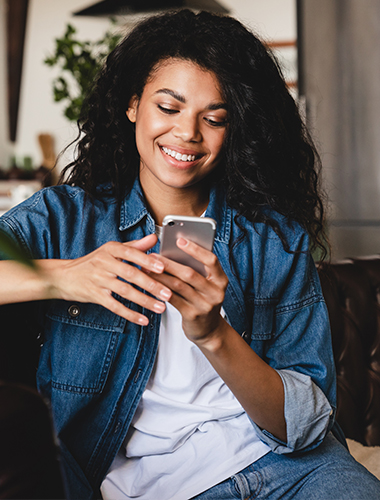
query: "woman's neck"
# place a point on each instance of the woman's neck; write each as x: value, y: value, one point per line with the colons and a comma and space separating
x: 186, y: 201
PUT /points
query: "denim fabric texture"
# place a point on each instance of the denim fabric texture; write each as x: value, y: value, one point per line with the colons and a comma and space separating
x: 327, y: 472
x: 94, y: 365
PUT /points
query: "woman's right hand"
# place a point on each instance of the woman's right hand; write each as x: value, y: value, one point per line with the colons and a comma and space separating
x: 111, y: 268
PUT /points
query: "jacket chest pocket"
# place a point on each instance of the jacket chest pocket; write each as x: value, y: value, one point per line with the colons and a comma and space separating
x: 80, y: 343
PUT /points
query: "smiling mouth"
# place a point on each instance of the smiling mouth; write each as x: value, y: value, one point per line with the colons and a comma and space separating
x: 179, y: 156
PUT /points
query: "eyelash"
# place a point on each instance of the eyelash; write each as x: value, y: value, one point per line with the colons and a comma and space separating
x: 213, y: 123
x: 168, y: 111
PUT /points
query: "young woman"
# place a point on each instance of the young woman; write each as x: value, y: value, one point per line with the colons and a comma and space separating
x: 165, y: 384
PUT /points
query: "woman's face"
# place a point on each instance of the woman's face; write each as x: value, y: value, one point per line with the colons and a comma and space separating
x: 181, y: 121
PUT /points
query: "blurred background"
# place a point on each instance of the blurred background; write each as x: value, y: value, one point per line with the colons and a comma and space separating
x: 328, y: 49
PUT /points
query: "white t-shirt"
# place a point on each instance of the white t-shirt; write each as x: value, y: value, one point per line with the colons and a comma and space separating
x: 189, y: 431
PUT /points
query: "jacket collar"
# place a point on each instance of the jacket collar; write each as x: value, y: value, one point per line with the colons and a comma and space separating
x: 133, y: 209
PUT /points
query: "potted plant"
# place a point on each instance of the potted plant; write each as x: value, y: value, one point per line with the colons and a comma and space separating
x: 79, y: 62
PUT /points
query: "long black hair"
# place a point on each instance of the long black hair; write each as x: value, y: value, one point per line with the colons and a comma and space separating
x: 269, y: 157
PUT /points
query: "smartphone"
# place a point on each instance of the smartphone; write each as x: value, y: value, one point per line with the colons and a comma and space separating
x: 200, y: 230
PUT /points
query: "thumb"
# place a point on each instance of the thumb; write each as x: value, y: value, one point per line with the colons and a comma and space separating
x: 144, y: 244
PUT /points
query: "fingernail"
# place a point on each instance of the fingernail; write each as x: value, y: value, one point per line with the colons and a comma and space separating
x: 165, y: 294
x: 159, y: 307
x: 182, y: 242
x: 143, y: 321
x: 158, y: 266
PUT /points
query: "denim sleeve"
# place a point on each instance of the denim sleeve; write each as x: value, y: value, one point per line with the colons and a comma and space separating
x: 23, y: 224
x: 299, y: 348
x: 9, y: 232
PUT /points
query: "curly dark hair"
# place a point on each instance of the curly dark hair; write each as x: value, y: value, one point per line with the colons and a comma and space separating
x: 269, y: 157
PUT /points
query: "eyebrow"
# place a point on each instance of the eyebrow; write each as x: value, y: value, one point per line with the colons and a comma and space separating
x: 181, y: 98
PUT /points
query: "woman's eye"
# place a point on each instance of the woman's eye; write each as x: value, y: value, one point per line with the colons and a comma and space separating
x: 216, y: 123
x: 168, y: 111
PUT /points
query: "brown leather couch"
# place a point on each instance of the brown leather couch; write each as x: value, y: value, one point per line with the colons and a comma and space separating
x: 29, y: 459
x: 352, y: 293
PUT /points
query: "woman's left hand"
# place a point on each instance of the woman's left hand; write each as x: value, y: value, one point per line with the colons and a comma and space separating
x: 197, y: 298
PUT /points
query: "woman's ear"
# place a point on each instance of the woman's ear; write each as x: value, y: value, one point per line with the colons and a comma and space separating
x: 132, y: 109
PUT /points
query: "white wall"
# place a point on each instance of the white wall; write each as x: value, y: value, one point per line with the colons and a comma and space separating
x: 271, y: 19
x: 47, y: 19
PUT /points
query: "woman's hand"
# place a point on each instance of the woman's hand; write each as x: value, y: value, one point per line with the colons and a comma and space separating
x: 254, y: 383
x: 197, y: 298
x: 111, y: 269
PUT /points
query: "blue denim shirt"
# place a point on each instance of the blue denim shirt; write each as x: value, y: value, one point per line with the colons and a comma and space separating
x: 94, y: 365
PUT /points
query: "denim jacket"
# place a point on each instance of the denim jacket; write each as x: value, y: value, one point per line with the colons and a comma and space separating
x: 94, y: 365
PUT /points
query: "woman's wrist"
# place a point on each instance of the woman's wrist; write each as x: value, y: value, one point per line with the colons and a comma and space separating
x: 216, y: 341
x: 47, y: 278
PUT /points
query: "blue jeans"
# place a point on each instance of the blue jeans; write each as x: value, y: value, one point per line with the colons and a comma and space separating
x: 325, y: 473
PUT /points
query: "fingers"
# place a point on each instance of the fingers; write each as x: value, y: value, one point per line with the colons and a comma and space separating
x: 115, y: 268
x: 135, y: 252
x: 200, y: 309
x: 186, y: 283
x: 207, y: 258
x: 129, y: 291
x: 135, y: 296
x: 197, y: 298
x: 113, y: 273
x: 118, y: 308
x: 144, y: 244
x: 129, y: 272
x: 216, y: 274
x: 193, y: 289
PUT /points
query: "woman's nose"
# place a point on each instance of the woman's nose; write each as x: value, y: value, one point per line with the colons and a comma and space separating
x: 187, y: 129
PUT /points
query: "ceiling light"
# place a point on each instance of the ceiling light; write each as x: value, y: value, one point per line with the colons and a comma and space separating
x: 126, y: 7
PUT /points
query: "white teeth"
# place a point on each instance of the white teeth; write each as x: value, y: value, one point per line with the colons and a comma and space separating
x: 178, y: 156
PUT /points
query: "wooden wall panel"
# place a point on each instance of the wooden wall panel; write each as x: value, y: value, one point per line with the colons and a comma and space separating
x: 16, y: 23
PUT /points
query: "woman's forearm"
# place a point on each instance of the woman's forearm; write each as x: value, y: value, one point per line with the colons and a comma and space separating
x: 113, y: 269
x: 19, y: 283
x: 256, y: 385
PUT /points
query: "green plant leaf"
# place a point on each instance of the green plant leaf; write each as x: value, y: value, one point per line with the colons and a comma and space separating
x: 82, y: 60
x: 9, y: 248
x: 60, y: 89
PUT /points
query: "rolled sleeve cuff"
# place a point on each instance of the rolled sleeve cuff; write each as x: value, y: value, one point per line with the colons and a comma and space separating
x: 308, y: 415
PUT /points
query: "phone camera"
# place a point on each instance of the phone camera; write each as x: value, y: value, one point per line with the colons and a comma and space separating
x: 171, y: 223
